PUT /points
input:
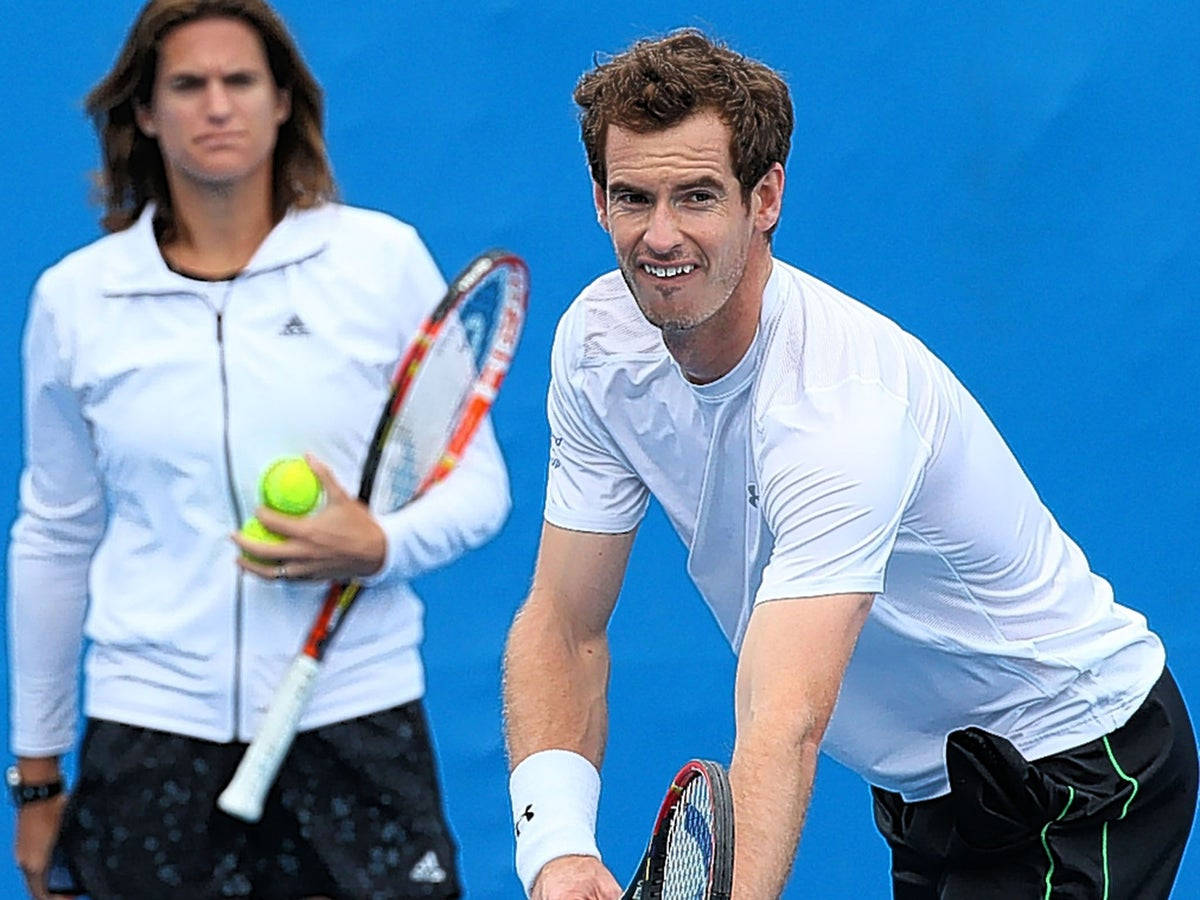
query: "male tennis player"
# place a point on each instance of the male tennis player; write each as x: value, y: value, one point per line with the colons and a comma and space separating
x: 855, y: 522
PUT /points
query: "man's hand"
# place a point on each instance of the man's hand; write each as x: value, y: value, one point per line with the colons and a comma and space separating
x: 339, y: 542
x: 575, y: 878
x: 37, y: 830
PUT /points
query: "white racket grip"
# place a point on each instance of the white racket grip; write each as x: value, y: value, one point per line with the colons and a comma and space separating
x: 255, y: 774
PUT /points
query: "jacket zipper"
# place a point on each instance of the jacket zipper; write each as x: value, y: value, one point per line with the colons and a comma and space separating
x: 237, y: 513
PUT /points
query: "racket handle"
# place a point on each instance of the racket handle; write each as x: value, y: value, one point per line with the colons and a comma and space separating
x: 247, y: 791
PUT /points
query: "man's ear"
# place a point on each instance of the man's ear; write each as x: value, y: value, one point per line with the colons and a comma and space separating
x: 600, y: 198
x: 766, y: 200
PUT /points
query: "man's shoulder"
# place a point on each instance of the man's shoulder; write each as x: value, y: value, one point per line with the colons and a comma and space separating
x: 837, y: 334
x: 827, y: 307
x: 603, y: 325
x: 825, y: 344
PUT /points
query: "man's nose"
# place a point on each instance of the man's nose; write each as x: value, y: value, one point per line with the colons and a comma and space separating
x: 662, y: 233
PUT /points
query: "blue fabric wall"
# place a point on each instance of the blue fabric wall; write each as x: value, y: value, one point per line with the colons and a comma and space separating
x: 1018, y: 186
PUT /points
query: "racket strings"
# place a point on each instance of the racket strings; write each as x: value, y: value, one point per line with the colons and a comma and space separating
x: 440, y: 389
x: 689, y: 848
x: 424, y: 422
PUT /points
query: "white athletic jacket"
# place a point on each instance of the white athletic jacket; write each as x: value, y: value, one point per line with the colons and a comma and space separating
x: 152, y: 404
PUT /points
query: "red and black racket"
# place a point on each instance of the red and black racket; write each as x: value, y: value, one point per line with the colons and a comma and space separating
x: 690, y: 854
x: 441, y: 391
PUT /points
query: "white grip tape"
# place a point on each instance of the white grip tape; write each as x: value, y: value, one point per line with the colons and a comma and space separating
x: 554, y: 795
x: 247, y: 791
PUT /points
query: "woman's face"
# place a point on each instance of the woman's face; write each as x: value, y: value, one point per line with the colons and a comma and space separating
x: 215, y: 109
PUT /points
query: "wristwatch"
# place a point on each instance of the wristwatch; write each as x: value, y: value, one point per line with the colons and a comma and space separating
x: 30, y: 793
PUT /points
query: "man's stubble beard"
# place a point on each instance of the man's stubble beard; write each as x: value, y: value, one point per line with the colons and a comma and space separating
x: 682, y: 323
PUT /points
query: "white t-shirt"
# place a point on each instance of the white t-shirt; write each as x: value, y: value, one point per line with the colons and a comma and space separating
x: 841, y: 456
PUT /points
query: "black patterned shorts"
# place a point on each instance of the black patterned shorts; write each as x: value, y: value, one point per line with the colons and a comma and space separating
x: 356, y: 813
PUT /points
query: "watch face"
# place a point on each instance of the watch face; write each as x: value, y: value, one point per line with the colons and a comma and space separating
x: 30, y: 793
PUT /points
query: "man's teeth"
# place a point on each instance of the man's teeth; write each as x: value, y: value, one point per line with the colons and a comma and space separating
x: 667, y: 271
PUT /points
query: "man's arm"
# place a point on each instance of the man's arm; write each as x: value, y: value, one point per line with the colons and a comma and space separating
x: 789, y: 673
x: 556, y: 666
x: 556, y: 661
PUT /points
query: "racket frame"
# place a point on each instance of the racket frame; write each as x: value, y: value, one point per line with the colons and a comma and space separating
x: 647, y: 883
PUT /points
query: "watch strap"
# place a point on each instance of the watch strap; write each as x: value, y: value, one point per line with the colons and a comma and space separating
x: 34, y: 793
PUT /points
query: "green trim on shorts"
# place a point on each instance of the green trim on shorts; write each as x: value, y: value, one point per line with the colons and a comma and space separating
x: 1046, y: 844
x: 1104, y: 831
x: 1117, y: 768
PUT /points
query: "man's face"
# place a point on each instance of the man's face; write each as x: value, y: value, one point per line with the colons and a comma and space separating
x: 674, y: 209
x: 215, y: 110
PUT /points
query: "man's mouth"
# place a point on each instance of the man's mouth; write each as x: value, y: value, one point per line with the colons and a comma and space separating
x: 667, y: 271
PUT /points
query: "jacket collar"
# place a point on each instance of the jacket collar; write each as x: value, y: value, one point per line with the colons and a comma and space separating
x: 137, y: 267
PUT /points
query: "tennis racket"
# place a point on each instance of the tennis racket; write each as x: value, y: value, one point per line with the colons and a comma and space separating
x: 441, y: 391
x: 690, y: 854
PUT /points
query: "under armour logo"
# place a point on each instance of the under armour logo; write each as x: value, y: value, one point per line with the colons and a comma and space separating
x: 526, y: 816
x: 428, y: 870
x: 294, y: 325
x: 752, y: 494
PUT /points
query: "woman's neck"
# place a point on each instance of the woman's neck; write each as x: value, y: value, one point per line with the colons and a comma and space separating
x: 218, y: 229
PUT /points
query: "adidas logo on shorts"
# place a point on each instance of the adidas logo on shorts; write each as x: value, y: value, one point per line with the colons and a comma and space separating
x: 428, y: 870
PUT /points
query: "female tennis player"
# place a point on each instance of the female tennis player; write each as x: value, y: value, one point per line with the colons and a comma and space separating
x: 233, y: 314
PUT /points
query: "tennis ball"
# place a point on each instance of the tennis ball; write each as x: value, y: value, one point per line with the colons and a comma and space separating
x: 257, y: 531
x: 289, y: 486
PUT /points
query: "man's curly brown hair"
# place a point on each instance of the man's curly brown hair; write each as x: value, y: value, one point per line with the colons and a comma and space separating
x: 656, y: 84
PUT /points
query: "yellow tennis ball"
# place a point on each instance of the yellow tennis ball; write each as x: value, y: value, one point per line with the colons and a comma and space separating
x: 290, y: 486
x: 257, y: 531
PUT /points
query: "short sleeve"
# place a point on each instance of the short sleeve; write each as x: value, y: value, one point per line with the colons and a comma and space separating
x: 590, y: 485
x: 837, y: 468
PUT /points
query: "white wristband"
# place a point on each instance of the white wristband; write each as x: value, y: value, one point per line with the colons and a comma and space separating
x: 554, y: 798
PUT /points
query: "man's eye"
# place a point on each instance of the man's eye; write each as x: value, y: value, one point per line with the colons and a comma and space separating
x: 700, y: 197
x: 186, y: 84
x: 240, y: 79
x: 631, y: 199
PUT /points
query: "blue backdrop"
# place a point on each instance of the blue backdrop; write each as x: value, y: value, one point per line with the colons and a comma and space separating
x: 1017, y: 185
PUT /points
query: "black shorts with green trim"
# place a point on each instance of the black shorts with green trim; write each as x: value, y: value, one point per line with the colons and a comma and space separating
x: 1107, y: 819
x: 355, y: 813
